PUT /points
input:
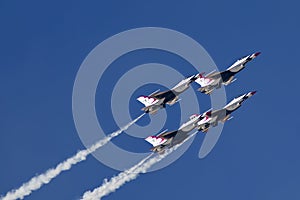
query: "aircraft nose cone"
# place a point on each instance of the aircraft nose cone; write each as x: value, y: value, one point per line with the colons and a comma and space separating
x: 257, y: 54
x: 252, y: 93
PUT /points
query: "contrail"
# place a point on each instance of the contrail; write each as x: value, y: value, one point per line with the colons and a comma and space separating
x: 128, y: 175
x: 38, y: 181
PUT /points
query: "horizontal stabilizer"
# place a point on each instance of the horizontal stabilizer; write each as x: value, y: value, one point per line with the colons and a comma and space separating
x: 210, y: 73
x: 155, y: 141
x: 147, y: 101
x: 203, y: 81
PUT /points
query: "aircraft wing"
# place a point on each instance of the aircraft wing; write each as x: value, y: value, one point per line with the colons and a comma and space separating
x: 160, y: 95
x: 208, y: 82
x: 226, y: 77
x: 206, y: 89
x: 217, y: 115
x: 157, y: 94
x: 168, y: 135
x: 153, y: 93
x: 213, y: 75
x: 153, y: 108
x: 161, y: 140
x: 179, y: 137
x: 217, y: 75
x: 166, y: 140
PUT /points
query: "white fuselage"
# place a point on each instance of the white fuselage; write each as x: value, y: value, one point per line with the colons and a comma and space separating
x: 182, y: 85
x: 190, y: 125
x: 238, y: 65
x: 235, y: 103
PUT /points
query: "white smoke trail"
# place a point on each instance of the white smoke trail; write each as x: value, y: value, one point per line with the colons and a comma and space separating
x: 38, y: 181
x: 128, y: 175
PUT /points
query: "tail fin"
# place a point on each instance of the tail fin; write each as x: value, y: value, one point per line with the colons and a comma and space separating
x: 206, y: 117
x: 203, y: 81
x: 147, y: 101
x: 207, y: 113
x: 155, y: 141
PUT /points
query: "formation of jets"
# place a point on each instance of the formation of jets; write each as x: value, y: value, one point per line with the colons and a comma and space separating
x: 202, y: 122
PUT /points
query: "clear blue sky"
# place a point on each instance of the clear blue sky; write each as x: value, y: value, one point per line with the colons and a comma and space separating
x: 42, y: 45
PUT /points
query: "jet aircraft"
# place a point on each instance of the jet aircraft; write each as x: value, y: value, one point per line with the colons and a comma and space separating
x: 224, y: 114
x: 214, y: 80
x: 169, y: 139
x: 158, y: 100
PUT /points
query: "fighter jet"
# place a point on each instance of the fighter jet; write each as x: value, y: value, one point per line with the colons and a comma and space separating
x: 158, y: 100
x: 223, y: 115
x: 169, y: 139
x: 214, y: 80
